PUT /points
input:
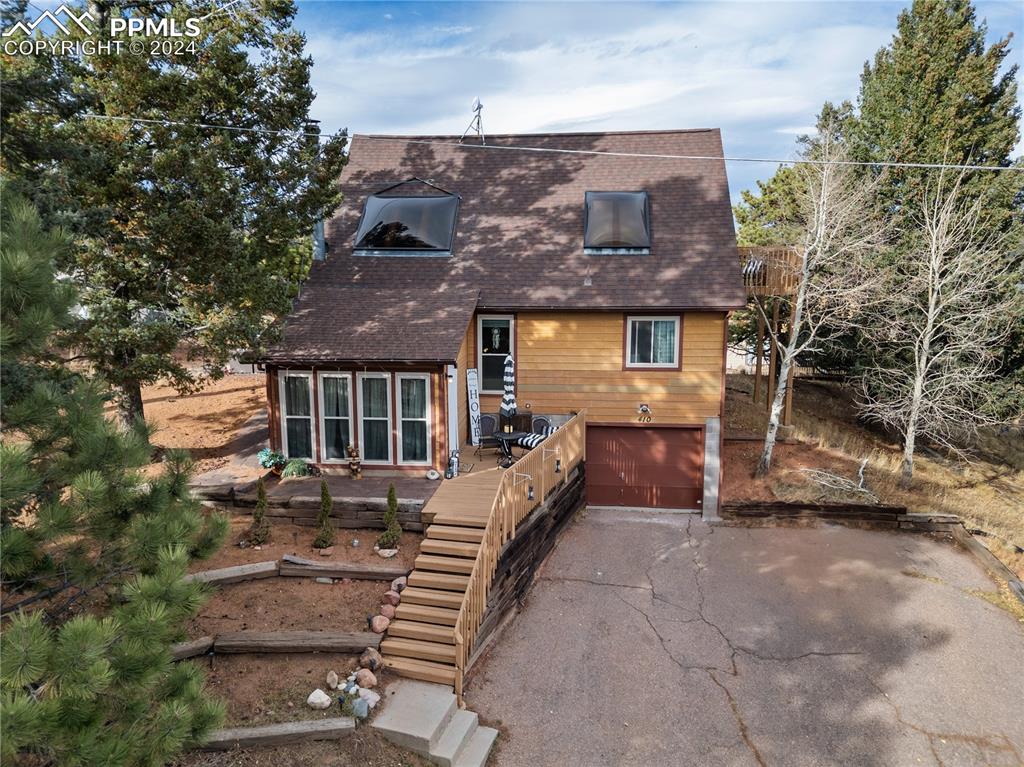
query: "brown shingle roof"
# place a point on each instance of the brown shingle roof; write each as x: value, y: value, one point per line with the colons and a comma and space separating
x: 519, y: 236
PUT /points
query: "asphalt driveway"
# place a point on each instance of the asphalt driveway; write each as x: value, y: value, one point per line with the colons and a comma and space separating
x: 653, y: 639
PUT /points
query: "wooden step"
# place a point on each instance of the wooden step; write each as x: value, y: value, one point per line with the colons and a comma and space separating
x: 458, y: 565
x: 425, y: 671
x: 452, y: 518
x: 442, y: 616
x: 455, y: 533
x: 445, y: 581
x: 449, y: 548
x: 418, y: 596
x: 427, y: 632
x: 419, y: 650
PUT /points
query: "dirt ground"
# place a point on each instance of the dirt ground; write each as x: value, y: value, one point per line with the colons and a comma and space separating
x: 988, y: 496
x: 204, y: 423
x: 298, y: 540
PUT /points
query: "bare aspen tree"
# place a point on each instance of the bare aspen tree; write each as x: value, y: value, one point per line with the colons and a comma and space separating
x: 834, y: 280
x: 938, y: 336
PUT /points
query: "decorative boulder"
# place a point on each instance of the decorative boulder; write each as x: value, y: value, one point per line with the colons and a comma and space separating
x: 318, y: 699
x: 371, y: 659
x: 372, y: 698
x: 366, y: 678
x: 391, y: 598
x: 360, y: 708
x: 332, y: 679
x: 379, y: 624
x: 388, y: 611
x: 387, y: 553
x: 399, y: 584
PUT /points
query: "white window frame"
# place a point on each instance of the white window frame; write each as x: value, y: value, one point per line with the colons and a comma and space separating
x: 629, y: 342
x: 320, y: 376
x: 360, y: 377
x: 428, y: 415
x: 282, y: 402
x: 480, y: 345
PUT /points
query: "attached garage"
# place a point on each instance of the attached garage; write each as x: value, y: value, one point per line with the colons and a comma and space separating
x: 646, y: 467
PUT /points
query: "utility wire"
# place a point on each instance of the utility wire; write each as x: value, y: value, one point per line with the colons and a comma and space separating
x: 552, y: 150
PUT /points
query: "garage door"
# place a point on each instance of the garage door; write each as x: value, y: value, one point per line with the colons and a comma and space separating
x: 646, y: 467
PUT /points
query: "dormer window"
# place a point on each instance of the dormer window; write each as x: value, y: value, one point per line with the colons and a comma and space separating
x: 617, y: 222
x: 394, y: 224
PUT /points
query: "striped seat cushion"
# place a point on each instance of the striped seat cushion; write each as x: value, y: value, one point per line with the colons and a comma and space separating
x: 532, y: 440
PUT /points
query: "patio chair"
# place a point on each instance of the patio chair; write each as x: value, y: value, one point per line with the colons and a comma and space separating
x: 488, y: 426
x: 542, y: 429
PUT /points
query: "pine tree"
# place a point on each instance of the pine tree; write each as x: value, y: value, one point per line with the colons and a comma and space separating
x: 325, y: 528
x: 259, y: 532
x: 184, y: 234
x: 93, y: 551
x: 392, y: 530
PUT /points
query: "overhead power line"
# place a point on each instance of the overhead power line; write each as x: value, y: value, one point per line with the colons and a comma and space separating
x: 553, y: 150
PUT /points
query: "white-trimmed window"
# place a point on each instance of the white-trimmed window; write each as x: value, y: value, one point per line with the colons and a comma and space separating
x: 335, y: 415
x: 495, y: 340
x: 413, y: 417
x: 296, y: 396
x: 374, y: 397
x: 652, y: 342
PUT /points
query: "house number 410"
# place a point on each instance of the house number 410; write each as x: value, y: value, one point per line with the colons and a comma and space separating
x: 645, y: 418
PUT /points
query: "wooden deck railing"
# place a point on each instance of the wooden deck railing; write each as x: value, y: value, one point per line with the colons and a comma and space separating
x: 770, y: 271
x: 523, y: 487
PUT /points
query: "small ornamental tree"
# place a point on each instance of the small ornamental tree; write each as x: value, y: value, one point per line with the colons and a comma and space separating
x: 325, y: 530
x: 392, y: 530
x: 259, y: 533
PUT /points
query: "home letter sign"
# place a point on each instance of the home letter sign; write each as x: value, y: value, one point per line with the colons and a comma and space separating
x: 473, y: 393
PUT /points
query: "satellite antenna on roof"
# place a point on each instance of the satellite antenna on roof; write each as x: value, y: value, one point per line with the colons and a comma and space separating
x: 476, y: 124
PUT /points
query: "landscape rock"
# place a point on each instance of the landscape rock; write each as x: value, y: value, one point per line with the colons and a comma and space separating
x: 328, y: 581
x: 332, y: 679
x: 360, y: 708
x: 371, y: 659
x: 326, y: 552
x: 318, y: 699
x: 372, y: 698
x: 379, y: 624
x: 399, y: 584
x: 391, y: 598
x: 388, y: 611
x: 387, y: 553
x: 365, y: 678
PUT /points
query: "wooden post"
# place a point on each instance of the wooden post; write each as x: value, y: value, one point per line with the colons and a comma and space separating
x: 758, y: 350
x: 774, y: 357
x: 787, y: 411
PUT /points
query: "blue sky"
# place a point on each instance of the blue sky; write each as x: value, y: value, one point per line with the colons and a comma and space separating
x: 759, y: 71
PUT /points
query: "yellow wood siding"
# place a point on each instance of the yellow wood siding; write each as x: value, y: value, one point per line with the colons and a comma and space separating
x: 463, y: 362
x: 569, y: 361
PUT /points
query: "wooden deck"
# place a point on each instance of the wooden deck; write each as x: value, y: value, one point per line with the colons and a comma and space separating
x: 465, y: 500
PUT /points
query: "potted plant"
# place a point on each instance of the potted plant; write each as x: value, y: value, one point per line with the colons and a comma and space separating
x: 271, y: 459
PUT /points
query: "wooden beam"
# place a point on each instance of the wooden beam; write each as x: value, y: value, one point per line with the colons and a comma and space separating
x: 235, y: 574
x: 333, y: 728
x: 305, y: 568
x: 192, y: 648
x: 295, y: 641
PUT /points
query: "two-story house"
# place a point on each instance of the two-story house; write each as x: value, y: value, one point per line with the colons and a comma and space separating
x: 604, y: 263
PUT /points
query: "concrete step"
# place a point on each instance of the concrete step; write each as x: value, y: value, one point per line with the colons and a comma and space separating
x: 449, y: 548
x: 455, y: 738
x: 427, y: 632
x: 424, y: 670
x: 442, y: 564
x: 442, y: 616
x: 444, y: 581
x: 419, y: 596
x: 416, y: 714
x: 418, y: 649
x: 474, y: 753
x: 455, y: 533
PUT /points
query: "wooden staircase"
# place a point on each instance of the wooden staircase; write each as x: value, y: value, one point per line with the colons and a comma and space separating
x: 420, y: 641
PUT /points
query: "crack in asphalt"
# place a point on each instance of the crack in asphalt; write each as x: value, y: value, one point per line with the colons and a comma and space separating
x: 999, y: 742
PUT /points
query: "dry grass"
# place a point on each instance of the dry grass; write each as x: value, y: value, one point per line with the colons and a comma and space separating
x: 986, y: 495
